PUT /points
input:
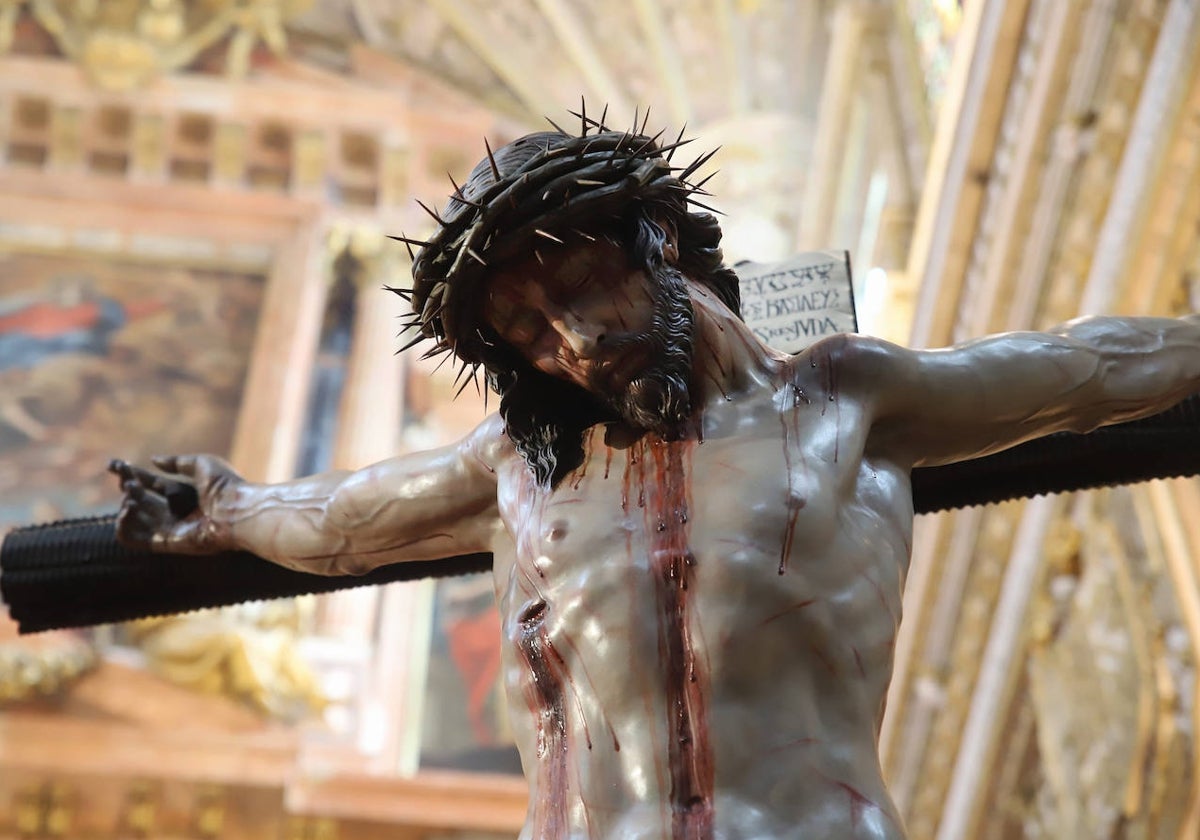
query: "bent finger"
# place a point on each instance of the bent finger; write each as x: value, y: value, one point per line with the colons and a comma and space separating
x: 173, y: 464
x: 150, y: 479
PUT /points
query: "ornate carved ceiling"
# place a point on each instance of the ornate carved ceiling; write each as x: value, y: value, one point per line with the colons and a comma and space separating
x: 756, y: 78
x: 126, y: 44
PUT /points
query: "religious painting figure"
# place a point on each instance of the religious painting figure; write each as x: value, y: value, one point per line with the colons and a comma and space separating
x: 699, y: 543
x: 96, y: 354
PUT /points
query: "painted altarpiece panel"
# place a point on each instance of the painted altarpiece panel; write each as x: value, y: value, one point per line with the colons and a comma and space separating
x: 107, y: 357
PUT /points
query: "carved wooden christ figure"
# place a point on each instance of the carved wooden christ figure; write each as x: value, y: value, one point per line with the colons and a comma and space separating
x: 700, y: 544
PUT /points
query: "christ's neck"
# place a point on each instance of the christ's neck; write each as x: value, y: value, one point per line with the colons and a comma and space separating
x: 727, y: 358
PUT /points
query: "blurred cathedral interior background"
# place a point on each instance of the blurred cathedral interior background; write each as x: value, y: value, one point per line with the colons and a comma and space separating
x: 195, y: 197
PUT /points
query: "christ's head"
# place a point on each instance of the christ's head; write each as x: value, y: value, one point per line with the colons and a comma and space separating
x: 562, y: 269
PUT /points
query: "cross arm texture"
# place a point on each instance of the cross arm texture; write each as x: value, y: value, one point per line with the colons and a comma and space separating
x: 74, y: 573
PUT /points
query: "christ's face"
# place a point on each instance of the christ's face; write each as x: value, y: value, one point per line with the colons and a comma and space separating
x: 585, y: 314
x: 576, y: 315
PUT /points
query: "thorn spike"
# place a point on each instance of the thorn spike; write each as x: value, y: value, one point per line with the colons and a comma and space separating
x: 650, y: 141
x: 410, y: 240
x: 705, y: 207
x: 459, y: 376
x: 492, y: 160
x: 697, y: 163
x: 460, y: 196
x: 678, y: 142
x: 546, y: 235
x: 669, y: 149
x: 445, y: 358
x: 413, y: 343
x: 432, y: 213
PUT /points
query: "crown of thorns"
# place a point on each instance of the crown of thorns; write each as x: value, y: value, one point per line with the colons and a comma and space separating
x: 565, y: 186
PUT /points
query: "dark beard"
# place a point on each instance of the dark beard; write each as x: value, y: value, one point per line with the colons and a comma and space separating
x: 658, y: 399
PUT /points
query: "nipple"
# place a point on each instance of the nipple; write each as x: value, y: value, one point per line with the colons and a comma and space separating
x: 557, y: 530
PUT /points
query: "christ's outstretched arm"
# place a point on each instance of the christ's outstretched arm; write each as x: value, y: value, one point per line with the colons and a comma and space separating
x: 933, y: 407
x: 415, y: 507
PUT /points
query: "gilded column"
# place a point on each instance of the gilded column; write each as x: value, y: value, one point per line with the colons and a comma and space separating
x: 395, y: 619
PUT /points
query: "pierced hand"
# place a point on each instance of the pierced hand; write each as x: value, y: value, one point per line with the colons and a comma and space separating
x: 177, y: 507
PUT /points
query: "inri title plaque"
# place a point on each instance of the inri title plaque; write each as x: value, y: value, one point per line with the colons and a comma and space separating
x: 793, y: 303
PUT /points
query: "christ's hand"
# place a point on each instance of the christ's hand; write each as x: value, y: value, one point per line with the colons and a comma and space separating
x: 176, y: 507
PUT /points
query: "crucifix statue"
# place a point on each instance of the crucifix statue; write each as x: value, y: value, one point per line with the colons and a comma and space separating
x: 699, y: 544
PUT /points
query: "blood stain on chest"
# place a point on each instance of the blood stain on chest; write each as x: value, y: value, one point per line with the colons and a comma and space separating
x: 581, y: 471
x: 831, y: 392
x: 793, y: 502
x: 545, y: 694
x: 665, y: 495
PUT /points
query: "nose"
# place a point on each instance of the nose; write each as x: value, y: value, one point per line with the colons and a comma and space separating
x: 580, y: 335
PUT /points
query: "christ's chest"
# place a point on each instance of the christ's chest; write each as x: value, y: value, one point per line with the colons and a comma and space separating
x: 735, y: 497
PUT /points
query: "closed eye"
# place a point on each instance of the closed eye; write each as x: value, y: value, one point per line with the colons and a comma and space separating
x: 525, y: 327
x: 576, y: 280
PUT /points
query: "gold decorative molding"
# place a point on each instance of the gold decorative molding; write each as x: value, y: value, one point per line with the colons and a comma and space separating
x: 247, y: 653
x: 148, y: 146
x: 307, y: 143
x: 979, y: 304
x: 1104, y: 127
x: 9, y: 9
x: 1105, y: 684
x: 41, y: 668
x: 997, y: 295
x: 988, y: 561
x: 310, y: 828
x: 124, y: 45
x: 959, y: 160
x: 45, y: 810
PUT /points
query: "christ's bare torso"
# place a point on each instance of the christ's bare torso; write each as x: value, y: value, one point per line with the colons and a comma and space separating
x: 698, y: 634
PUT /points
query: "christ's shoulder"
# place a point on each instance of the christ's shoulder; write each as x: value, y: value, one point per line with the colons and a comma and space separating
x: 489, y: 444
x: 852, y: 360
